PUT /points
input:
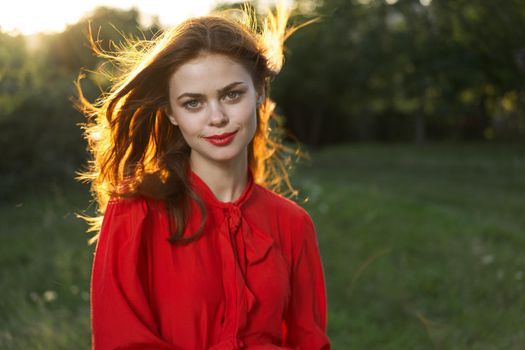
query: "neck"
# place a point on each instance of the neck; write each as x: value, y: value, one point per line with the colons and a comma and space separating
x: 226, y: 181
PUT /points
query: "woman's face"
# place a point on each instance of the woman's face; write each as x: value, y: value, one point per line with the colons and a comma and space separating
x: 213, y: 95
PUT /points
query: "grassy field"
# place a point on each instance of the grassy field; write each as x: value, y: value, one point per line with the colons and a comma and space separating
x: 423, y: 248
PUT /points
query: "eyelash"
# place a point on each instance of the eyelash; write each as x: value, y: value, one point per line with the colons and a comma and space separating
x: 237, y: 93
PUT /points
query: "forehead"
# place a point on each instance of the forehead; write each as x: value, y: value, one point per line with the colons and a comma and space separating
x: 208, y: 72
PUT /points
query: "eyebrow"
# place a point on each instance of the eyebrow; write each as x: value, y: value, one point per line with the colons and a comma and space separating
x: 220, y: 91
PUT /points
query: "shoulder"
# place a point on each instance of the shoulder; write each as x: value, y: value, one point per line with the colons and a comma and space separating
x: 137, y: 205
x: 125, y: 217
x: 285, y: 207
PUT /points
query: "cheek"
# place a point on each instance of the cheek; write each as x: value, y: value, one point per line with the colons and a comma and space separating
x: 255, y: 122
x: 246, y: 110
x: 251, y: 124
x: 188, y: 124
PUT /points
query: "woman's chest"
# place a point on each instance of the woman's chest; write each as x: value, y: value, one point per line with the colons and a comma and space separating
x: 200, y: 281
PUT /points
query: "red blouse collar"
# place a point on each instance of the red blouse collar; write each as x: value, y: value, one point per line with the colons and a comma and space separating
x: 207, y: 195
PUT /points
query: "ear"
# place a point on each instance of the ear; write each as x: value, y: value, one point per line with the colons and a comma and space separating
x: 260, y: 97
x: 170, y: 115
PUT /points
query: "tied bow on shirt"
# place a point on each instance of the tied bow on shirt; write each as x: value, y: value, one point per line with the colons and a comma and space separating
x: 240, y: 246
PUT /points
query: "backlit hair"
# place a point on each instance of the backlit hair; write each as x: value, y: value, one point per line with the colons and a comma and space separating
x: 137, y: 151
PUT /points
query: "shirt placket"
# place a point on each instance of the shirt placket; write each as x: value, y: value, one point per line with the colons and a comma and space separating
x: 239, y: 298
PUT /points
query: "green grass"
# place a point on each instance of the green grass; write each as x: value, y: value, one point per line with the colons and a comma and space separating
x: 423, y: 248
x: 44, y: 271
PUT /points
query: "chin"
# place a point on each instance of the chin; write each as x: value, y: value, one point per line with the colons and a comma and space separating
x: 221, y: 155
x: 226, y: 157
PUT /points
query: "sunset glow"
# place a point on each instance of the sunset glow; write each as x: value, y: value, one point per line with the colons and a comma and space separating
x: 31, y: 16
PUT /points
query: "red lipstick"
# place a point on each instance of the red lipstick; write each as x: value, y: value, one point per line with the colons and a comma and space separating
x: 223, y: 139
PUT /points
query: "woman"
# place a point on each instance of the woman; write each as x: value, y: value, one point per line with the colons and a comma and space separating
x: 194, y: 250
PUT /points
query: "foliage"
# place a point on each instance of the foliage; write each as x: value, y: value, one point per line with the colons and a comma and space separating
x: 39, y: 127
x: 408, y: 70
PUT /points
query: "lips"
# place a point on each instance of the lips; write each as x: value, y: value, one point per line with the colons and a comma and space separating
x: 222, y: 139
x: 221, y: 136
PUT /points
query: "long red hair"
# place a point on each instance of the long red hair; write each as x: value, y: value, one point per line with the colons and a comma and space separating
x: 137, y: 151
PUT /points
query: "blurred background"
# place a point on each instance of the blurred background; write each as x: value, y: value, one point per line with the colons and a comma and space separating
x: 413, y: 114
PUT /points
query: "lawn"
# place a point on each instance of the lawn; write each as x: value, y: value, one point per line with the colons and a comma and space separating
x: 423, y: 248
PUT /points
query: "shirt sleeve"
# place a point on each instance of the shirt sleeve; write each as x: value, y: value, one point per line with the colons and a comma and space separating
x: 305, y: 319
x: 120, y: 314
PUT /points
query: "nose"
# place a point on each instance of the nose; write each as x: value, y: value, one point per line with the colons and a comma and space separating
x: 217, y: 116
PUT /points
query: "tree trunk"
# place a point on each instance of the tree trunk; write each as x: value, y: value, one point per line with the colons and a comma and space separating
x: 315, y: 129
x: 420, y: 128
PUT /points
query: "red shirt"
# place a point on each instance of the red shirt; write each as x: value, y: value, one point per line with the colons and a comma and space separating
x: 253, y: 280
